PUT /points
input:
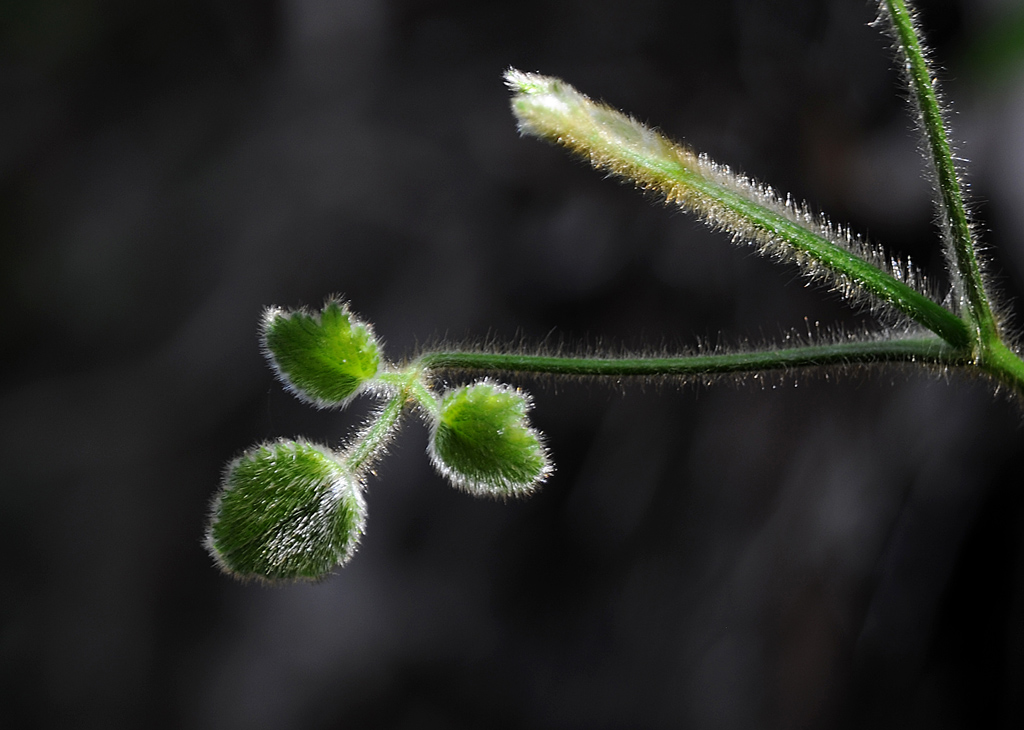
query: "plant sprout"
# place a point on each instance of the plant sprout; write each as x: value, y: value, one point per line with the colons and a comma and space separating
x: 294, y: 510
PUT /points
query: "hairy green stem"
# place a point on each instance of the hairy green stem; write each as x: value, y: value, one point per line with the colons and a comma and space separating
x: 370, y: 444
x: 1003, y: 364
x: 926, y: 351
x: 961, y: 255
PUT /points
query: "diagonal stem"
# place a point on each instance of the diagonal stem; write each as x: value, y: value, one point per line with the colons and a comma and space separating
x: 372, y: 441
x: 960, y: 251
x: 868, y: 277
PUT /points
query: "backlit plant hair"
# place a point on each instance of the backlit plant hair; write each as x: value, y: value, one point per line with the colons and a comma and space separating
x: 294, y: 510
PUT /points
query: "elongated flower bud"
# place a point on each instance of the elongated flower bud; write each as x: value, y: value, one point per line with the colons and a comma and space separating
x: 483, y: 443
x: 326, y: 358
x: 286, y: 510
x: 551, y: 109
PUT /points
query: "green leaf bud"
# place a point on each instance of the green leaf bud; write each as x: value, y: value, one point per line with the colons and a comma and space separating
x: 324, y: 359
x: 482, y: 442
x: 286, y: 510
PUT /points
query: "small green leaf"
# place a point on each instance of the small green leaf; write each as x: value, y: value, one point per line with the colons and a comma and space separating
x: 325, y: 358
x: 286, y: 510
x: 482, y: 441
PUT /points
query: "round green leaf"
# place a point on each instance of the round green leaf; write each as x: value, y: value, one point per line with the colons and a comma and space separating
x: 482, y: 441
x: 324, y: 358
x: 286, y: 510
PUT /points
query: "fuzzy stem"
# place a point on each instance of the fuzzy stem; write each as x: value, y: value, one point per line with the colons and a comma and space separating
x: 370, y: 444
x: 402, y: 388
x: 926, y: 351
x: 1004, y: 365
x: 960, y: 251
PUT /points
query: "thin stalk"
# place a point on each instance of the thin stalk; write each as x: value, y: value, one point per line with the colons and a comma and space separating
x: 370, y: 444
x: 961, y: 254
x: 402, y: 388
x: 925, y: 351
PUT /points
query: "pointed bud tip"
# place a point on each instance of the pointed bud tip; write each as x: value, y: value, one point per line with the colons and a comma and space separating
x: 522, y: 82
x: 535, y: 92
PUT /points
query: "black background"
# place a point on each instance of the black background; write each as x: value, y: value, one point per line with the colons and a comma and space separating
x: 825, y: 551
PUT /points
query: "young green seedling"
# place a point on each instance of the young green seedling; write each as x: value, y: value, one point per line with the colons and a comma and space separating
x: 292, y: 510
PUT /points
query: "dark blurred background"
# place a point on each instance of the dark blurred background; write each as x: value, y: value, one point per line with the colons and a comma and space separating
x: 828, y: 551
